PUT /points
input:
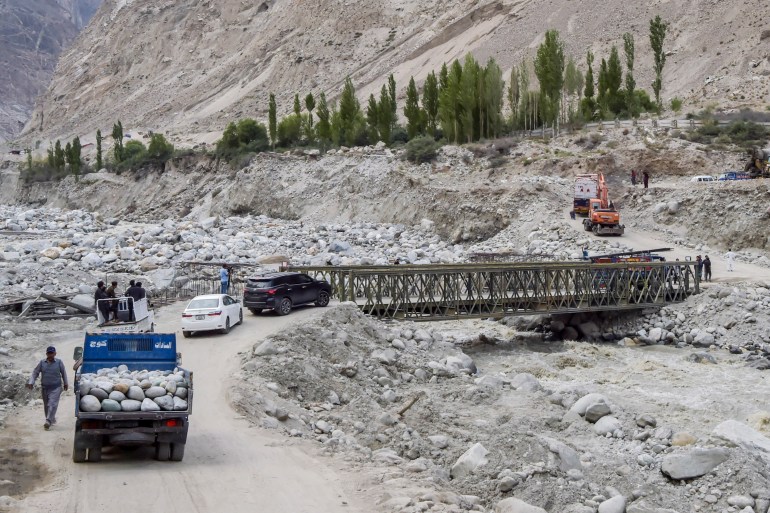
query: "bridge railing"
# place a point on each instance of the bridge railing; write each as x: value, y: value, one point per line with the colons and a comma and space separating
x: 501, y: 289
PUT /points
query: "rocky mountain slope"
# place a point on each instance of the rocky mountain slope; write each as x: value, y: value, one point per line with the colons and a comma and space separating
x: 33, y: 35
x: 190, y: 67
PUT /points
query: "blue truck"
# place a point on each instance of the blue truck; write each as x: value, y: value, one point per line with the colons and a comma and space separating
x: 165, y: 430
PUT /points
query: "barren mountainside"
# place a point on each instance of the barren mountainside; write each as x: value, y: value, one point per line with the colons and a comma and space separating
x: 33, y: 34
x: 189, y: 67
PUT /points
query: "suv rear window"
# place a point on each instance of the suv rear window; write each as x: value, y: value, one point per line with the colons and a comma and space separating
x: 260, y: 283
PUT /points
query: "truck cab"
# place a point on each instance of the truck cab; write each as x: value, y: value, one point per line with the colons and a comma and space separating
x: 602, y: 219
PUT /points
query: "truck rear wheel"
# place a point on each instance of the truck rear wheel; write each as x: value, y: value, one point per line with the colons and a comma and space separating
x: 95, y: 454
x: 177, y: 452
x: 162, y: 451
x: 78, y: 455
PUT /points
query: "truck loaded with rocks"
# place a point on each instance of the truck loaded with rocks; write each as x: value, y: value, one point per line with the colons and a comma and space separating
x: 131, y: 392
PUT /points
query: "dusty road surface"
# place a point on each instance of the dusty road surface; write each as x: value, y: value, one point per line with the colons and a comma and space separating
x: 229, y: 465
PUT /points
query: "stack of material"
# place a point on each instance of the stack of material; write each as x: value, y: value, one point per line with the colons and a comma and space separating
x: 118, y: 389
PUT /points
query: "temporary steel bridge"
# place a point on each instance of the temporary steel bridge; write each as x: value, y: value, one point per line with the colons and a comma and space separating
x: 440, y: 292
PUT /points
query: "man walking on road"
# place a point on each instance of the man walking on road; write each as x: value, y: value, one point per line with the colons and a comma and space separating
x: 730, y: 257
x: 52, y: 377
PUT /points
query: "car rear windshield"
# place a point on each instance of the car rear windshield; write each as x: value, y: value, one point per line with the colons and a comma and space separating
x: 260, y: 284
x: 203, y: 303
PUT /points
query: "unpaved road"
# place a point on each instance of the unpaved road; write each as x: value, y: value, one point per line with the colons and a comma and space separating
x: 229, y: 466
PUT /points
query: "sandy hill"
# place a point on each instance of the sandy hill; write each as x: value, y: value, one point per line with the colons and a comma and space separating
x: 189, y: 67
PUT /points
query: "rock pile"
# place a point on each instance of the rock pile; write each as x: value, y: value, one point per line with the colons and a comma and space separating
x: 488, y: 430
x: 118, y: 389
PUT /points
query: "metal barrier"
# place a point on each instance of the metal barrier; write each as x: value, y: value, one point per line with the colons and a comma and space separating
x: 437, y: 292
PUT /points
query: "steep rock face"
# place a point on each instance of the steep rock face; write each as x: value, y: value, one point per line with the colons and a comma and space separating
x: 33, y: 35
x: 190, y: 67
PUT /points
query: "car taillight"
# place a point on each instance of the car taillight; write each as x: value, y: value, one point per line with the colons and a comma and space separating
x: 91, y: 424
x: 271, y: 292
x: 214, y: 314
x: 172, y: 423
x: 186, y: 315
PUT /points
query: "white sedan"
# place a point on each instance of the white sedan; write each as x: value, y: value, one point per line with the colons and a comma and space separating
x: 211, y: 312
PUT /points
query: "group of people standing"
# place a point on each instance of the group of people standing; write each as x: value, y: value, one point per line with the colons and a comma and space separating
x: 645, y: 178
x: 109, y: 309
x: 703, y: 267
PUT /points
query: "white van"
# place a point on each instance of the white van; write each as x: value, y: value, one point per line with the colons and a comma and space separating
x: 703, y: 178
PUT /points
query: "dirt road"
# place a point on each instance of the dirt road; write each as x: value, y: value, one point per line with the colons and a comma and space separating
x: 229, y: 465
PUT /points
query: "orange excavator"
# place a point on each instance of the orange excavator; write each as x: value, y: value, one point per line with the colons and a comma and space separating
x: 603, y: 218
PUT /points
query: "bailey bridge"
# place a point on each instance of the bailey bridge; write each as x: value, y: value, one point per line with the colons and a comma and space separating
x: 439, y: 292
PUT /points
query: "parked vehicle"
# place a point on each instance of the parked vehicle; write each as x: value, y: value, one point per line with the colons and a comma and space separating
x: 211, y: 312
x: 587, y: 187
x: 283, y: 291
x: 702, y: 178
x: 733, y: 175
x: 165, y: 430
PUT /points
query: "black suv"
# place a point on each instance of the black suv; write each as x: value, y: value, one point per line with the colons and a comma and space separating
x: 283, y: 291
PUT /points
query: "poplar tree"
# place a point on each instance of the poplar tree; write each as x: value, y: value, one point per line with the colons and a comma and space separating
x: 323, y: 127
x: 412, y: 111
x: 349, y: 112
x: 628, y: 47
x: 385, y: 117
x: 59, y: 156
x: 98, y: 150
x: 588, y: 105
x: 272, y: 119
x: 614, y: 80
x: 373, y: 117
x: 524, y: 103
x: 297, y: 107
x: 450, y: 104
x: 657, y: 35
x: 549, y: 69
x: 117, y: 136
x: 310, y: 105
x: 514, y: 92
x: 494, y: 88
x: 75, y: 157
x: 51, y: 158
x: 430, y: 102
x: 392, y: 99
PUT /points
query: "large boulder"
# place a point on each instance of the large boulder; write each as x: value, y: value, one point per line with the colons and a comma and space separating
x: 472, y: 459
x: 743, y: 436
x: 514, y: 505
x: 130, y: 405
x: 693, y: 463
x: 607, y: 425
x: 90, y: 403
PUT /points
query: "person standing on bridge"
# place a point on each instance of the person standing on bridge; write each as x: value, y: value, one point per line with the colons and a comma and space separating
x: 730, y: 257
x: 707, y: 268
x: 53, y: 376
x: 224, y: 278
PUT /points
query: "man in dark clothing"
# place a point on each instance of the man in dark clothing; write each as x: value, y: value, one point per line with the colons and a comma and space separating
x: 707, y: 268
x: 52, y: 376
x: 633, y: 177
x: 112, y: 293
x: 103, y: 306
x: 699, y: 267
x: 135, y: 292
x: 646, y: 179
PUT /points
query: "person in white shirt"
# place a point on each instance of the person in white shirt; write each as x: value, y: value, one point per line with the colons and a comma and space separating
x: 730, y: 257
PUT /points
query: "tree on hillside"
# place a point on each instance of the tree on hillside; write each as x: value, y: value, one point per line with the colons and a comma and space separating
x: 323, y: 128
x: 469, y: 98
x: 525, y: 96
x: 373, y: 118
x: 68, y: 155
x: 657, y: 35
x: 573, y: 85
x: 628, y: 47
x: 385, y: 118
x: 160, y: 150
x: 549, y: 69
x: 443, y: 77
x: 297, y: 107
x: 349, y: 112
x: 412, y: 111
x: 51, y: 158
x: 614, y: 80
x: 588, y: 104
x: 601, y: 95
x: 430, y: 102
x: 59, y: 156
x: 117, y: 137
x: 450, y: 105
x: 272, y: 119
x: 75, y: 151
x: 392, y: 99
x: 98, y: 150
x: 514, y: 92
x: 495, y: 89
x: 310, y: 105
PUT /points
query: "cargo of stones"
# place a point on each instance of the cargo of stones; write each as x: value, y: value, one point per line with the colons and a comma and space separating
x: 118, y: 389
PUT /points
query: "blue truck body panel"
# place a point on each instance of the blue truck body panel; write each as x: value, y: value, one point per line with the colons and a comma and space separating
x: 138, y: 351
